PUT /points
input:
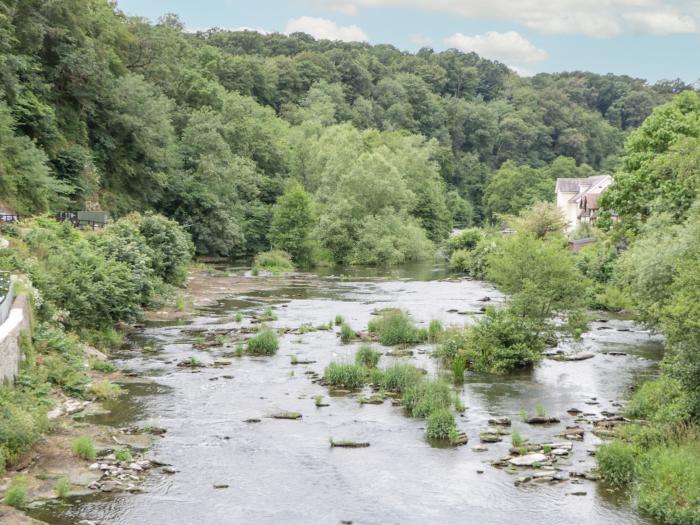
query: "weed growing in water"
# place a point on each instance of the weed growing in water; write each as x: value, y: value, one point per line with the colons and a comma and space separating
x: 263, y: 343
x: 459, y: 405
x: 238, y: 317
x: 434, y: 331
x: 539, y: 410
x: 295, y: 360
x: 398, y: 377
x: 426, y: 397
x: 523, y: 416
x: 395, y: 327
x: 516, y: 439
x: 339, y: 320
x: 347, y: 334
x: 240, y: 349
x: 441, y: 425
x: 268, y: 315
x: 367, y: 356
x: 105, y: 390
x: 84, y: 448
x: 345, y: 375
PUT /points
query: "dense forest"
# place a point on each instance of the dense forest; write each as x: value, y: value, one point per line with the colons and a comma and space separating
x: 99, y: 110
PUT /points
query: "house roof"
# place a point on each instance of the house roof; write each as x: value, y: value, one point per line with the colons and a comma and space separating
x: 571, y: 185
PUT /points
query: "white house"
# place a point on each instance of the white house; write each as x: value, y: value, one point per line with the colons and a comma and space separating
x: 578, y: 198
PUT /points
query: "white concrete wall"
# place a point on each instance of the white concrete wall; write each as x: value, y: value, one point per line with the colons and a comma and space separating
x: 10, y: 331
x: 568, y: 209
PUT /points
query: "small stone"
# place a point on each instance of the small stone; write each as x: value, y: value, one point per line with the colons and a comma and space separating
x: 479, y: 471
x: 528, y: 460
x: 135, y: 466
x: 500, y: 421
x: 94, y: 466
x: 578, y: 493
x: 170, y: 470
x: 220, y: 486
x: 480, y: 448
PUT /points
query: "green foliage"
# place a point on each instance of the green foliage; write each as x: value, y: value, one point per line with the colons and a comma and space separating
x: 292, y: 224
x: 367, y: 357
x: 461, y: 261
x: 347, y: 333
x: 435, y: 330
x: 542, y: 219
x: 102, y: 390
x: 339, y: 320
x: 396, y: 327
x: 16, y: 495
x: 345, y: 375
x: 426, y: 397
x: 275, y: 261
x: 516, y: 439
x: 441, y: 425
x: 669, y: 488
x: 84, y: 448
x: 467, y: 240
x: 661, y: 401
x: 542, y: 279
x: 263, y: 343
x: 62, y: 488
x: 399, y: 377
x: 617, y: 462
x: 500, y: 342
x: 123, y: 454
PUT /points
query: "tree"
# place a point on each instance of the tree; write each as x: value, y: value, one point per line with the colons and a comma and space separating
x: 293, y: 220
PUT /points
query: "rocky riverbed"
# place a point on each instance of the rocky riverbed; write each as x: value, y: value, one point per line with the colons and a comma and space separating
x: 261, y: 439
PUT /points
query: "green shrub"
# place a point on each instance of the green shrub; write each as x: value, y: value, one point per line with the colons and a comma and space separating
x: 100, y: 365
x: 339, y: 320
x: 62, y: 488
x: 123, y: 454
x: 661, y: 401
x: 367, y: 356
x: 617, y: 462
x: 263, y: 343
x: 105, y: 390
x: 16, y: 495
x: 347, y: 334
x: 84, y: 448
x: 441, y: 425
x: 395, y: 327
x: 399, y: 377
x: 345, y: 375
x: 22, y: 420
x: 426, y: 397
x: 274, y: 261
x: 466, y: 240
x: 461, y: 261
x: 171, y: 246
x: 669, y: 486
x: 502, y: 341
x: 104, y: 339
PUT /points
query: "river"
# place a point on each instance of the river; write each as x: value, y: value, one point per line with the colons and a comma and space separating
x: 284, y: 471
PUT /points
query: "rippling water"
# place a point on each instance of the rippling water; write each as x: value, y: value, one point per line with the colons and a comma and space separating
x: 282, y: 471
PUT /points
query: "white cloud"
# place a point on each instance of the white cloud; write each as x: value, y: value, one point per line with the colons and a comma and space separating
x: 326, y: 29
x: 662, y: 22
x: 597, y: 18
x: 508, y: 47
x: 421, y: 40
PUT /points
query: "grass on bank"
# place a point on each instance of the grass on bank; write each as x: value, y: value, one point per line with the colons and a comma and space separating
x: 395, y: 327
x: 84, y: 448
x: 264, y: 342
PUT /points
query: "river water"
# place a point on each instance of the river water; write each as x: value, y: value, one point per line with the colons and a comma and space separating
x: 284, y: 471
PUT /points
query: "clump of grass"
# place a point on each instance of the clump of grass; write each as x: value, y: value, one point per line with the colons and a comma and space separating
x: 62, y: 488
x: 180, y: 303
x: 222, y: 339
x: 441, y: 425
x: 100, y: 365
x: 268, y: 315
x: 539, y: 410
x: 238, y: 317
x: 339, y: 320
x: 347, y: 334
x: 398, y: 377
x: 345, y: 375
x: 240, y: 350
x: 367, y: 356
x: 426, y: 397
x: 84, y: 448
x: 523, y: 416
x: 546, y: 448
x: 16, y: 495
x: 123, y: 454
x: 459, y: 405
x: 434, y: 331
x: 274, y: 261
x: 516, y: 439
x: 103, y: 390
x: 318, y: 401
x: 263, y: 343
x: 395, y: 327
x: 458, y: 367
x: 295, y: 360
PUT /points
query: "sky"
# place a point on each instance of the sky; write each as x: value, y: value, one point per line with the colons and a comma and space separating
x: 650, y: 39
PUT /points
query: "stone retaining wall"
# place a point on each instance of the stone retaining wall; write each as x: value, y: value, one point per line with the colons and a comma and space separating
x: 17, y: 322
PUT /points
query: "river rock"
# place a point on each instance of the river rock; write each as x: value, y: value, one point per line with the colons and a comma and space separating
x: 480, y: 448
x: 500, y: 421
x: 541, y: 420
x: 490, y: 437
x: 286, y: 415
x: 220, y: 486
x: 528, y: 460
x: 110, y: 486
